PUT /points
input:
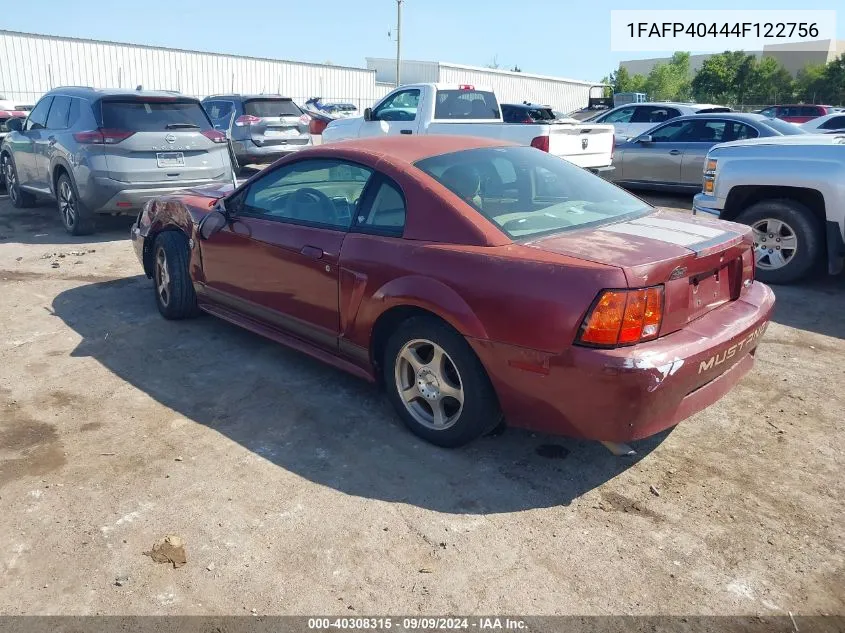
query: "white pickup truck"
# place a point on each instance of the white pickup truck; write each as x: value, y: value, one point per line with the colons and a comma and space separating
x: 469, y: 111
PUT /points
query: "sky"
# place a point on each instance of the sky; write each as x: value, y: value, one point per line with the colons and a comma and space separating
x: 558, y: 38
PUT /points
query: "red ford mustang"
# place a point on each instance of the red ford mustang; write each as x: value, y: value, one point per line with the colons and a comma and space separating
x: 475, y: 279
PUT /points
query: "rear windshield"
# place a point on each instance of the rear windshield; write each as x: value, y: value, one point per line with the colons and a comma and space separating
x: 153, y: 115
x: 527, y: 192
x: 785, y: 127
x: 466, y: 104
x: 271, y: 108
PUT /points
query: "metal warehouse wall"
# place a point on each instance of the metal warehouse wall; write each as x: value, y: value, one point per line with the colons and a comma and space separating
x: 32, y: 64
x: 560, y: 93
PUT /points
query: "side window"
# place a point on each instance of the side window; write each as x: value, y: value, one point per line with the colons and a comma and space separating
x: 670, y: 131
x: 810, y: 111
x: 834, y: 123
x: 38, y: 117
x: 322, y: 192
x: 705, y: 132
x: 650, y: 114
x: 402, y: 106
x: 57, y: 119
x: 620, y: 116
x: 741, y: 131
x: 74, y: 111
x: 387, y: 212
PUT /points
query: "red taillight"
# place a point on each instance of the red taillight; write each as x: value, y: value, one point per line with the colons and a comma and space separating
x: 247, y: 119
x: 316, y: 126
x: 623, y: 317
x: 214, y: 136
x: 102, y: 136
x: 304, y: 119
x: 541, y: 143
x: 466, y: 87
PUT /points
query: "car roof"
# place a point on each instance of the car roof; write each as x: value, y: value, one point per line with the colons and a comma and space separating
x: 247, y: 96
x: 96, y: 93
x: 411, y: 150
x: 748, y: 117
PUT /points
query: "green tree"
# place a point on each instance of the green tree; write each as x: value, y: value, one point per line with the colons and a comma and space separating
x: 621, y: 81
x: 771, y: 83
x: 809, y: 82
x: 834, y: 78
x: 670, y: 81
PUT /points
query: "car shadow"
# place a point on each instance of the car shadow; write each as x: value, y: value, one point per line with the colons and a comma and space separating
x: 316, y: 421
x: 41, y: 225
x: 816, y: 305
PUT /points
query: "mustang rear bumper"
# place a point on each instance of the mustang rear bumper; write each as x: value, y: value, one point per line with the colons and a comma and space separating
x: 629, y: 393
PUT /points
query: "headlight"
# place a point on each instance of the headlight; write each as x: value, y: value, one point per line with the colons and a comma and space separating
x: 709, y: 175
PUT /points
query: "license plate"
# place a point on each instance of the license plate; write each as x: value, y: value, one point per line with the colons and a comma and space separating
x: 281, y: 133
x: 170, y: 159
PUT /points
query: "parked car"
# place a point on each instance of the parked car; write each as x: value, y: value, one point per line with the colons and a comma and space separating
x: 789, y: 191
x: 424, y: 109
x: 429, y: 263
x: 671, y: 156
x: 109, y: 151
x: 262, y: 128
x: 800, y: 113
x: 635, y: 119
x: 827, y: 124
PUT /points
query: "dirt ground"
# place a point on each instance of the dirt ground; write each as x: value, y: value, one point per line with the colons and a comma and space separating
x: 296, y: 490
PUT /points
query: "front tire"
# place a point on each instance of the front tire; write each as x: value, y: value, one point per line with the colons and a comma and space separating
x: 174, y: 290
x: 20, y: 199
x: 75, y: 216
x: 437, y: 384
x: 788, y: 243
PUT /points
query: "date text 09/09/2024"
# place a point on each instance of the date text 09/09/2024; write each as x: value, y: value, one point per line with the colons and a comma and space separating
x: 417, y: 623
x: 773, y: 30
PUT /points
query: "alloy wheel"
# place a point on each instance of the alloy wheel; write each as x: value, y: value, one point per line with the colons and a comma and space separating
x: 775, y: 243
x: 429, y: 384
x: 67, y: 204
x: 162, y: 278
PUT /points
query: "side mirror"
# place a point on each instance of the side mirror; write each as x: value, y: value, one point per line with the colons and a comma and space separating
x: 645, y: 139
x: 213, y: 222
x: 368, y: 114
x: 14, y: 124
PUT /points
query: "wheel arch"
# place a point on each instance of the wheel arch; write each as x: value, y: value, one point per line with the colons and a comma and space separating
x: 60, y: 166
x: 158, y: 216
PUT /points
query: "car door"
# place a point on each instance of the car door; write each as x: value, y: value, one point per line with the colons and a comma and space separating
x: 49, y: 143
x: 658, y: 160
x: 620, y: 119
x: 700, y: 138
x: 397, y: 114
x: 24, y: 150
x: 277, y: 262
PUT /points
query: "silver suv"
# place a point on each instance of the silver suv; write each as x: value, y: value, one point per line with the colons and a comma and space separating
x: 262, y: 128
x: 109, y: 151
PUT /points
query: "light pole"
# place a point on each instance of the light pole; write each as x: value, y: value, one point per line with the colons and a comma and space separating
x: 398, y: 38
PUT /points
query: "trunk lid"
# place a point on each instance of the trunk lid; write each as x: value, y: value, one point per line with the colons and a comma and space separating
x: 583, y: 144
x: 702, y: 263
x: 160, y: 140
x: 279, y: 122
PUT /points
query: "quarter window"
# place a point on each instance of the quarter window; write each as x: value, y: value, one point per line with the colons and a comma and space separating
x: 319, y: 192
x: 387, y: 213
x: 57, y: 120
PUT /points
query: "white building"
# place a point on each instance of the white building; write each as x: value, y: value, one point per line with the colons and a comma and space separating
x: 510, y: 87
x: 30, y: 65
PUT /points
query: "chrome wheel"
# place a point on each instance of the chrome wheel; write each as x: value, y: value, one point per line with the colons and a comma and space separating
x: 67, y: 203
x: 11, y: 179
x: 775, y: 243
x: 429, y: 384
x: 162, y: 278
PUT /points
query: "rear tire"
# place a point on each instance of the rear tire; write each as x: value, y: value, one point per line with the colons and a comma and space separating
x: 20, y: 199
x: 174, y: 290
x: 788, y: 243
x: 437, y: 384
x: 75, y: 216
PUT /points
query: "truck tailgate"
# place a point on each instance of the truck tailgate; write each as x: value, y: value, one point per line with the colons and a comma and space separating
x: 583, y: 144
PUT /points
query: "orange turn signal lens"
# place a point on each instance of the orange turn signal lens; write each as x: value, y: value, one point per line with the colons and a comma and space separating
x: 624, y: 317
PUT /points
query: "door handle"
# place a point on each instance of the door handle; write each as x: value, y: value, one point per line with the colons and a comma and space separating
x: 312, y: 252
x: 406, y: 131
x: 674, y: 152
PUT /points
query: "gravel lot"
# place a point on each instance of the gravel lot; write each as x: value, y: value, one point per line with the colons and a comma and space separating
x: 297, y: 491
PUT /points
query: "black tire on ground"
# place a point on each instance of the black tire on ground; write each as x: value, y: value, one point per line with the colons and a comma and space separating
x: 75, y: 216
x: 20, y: 199
x: 174, y: 290
x: 809, y: 238
x: 480, y: 412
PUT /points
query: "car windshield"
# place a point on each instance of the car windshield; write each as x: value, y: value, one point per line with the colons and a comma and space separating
x: 785, y: 127
x: 153, y: 115
x: 527, y: 192
x: 271, y: 108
